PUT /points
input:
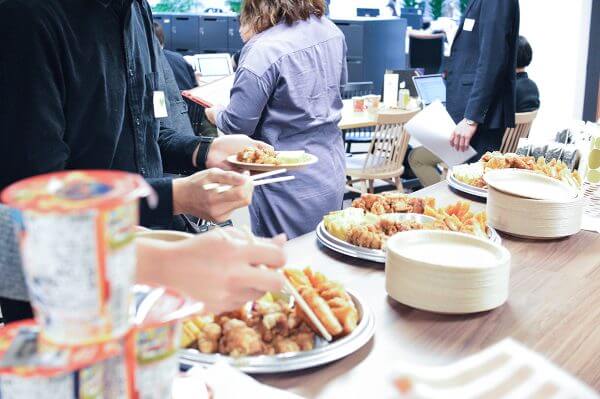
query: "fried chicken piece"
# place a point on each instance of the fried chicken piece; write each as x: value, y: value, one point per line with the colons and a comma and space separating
x: 285, y: 345
x: 258, y: 156
x: 305, y: 340
x: 240, y: 340
x: 390, y: 227
x: 366, y: 237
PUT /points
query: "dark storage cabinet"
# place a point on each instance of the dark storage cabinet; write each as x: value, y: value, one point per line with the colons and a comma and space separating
x: 214, y: 34
x: 165, y: 20
x: 374, y: 44
x: 185, y: 33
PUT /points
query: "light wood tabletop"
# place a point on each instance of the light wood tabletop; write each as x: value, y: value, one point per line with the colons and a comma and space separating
x: 361, y: 120
x: 553, y: 309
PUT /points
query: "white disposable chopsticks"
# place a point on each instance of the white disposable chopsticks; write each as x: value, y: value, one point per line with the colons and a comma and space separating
x: 221, y: 188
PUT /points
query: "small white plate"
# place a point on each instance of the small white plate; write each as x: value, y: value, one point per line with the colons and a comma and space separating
x: 309, y: 159
x: 528, y: 184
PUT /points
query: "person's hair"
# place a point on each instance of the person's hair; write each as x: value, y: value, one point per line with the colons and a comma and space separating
x: 524, y: 53
x: 160, y: 34
x: 260, y: 15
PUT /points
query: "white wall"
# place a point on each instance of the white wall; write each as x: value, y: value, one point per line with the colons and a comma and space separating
x: 558, y: 31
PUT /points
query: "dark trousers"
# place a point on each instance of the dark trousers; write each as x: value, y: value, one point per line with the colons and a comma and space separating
x: 13, y: 310
x: 485, y: 140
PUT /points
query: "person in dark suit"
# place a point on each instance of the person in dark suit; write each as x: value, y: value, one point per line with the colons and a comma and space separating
x: 528, y: 95
x: 184, y: 73
x: 481, y: 74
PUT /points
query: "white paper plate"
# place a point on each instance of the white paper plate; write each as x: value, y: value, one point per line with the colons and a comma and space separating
x: 528, y: 184
x: 309, y: 160
x: 458, y: 185
x: 447, y: 272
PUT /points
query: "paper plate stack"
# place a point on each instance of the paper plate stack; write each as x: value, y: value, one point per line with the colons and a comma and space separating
x: 531, y: 205
x: 446, y: 272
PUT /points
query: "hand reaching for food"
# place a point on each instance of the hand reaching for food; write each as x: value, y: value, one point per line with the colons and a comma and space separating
x: 214, y: 268
x: 190, y: 196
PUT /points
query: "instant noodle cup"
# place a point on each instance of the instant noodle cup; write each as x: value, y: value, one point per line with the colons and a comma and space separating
x: 77, y: 244
x: 32, y: 369
x: 156, y: 339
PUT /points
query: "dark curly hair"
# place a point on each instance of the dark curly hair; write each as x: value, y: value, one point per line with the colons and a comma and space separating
x: 260, y: 15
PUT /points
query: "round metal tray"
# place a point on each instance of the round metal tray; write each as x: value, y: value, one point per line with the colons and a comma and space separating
x: 375, y: 255
x: 323, y: 353
x: 465, y: 188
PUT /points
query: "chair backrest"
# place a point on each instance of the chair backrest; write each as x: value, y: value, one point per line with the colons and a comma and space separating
x: 355, y: 89
x: 389, y: 143
x: 512, y: 135
x: 426, y: 51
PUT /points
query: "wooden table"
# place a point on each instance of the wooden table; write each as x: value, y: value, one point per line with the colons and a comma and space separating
x: 361, y: 120
x: 553, y: 308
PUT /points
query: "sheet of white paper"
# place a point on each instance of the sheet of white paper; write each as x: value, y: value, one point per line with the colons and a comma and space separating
x: 390, y: 89
x: 213, y: 93
x: 433, y: 128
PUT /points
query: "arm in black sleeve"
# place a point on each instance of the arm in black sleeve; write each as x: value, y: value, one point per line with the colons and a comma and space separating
x: 32, y: 121
x: 495, y: 26
x: 162, y: 216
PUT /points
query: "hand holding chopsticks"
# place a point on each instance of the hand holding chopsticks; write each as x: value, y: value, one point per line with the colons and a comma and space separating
x: 221, y: 188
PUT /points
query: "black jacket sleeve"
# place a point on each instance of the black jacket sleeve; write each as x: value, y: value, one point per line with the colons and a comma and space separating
x: 32, y: 95
x: 495, y: 26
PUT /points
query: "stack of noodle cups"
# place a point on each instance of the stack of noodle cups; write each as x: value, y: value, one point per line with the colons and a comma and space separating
x: 89, y: 339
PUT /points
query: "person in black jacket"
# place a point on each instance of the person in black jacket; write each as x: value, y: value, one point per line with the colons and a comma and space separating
x: 481, y: 74
x: 183, y: 71
x: 528, y: 95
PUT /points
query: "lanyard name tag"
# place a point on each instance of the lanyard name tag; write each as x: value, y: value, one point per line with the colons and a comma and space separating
x: 160, y: 105
x: 469, y: 24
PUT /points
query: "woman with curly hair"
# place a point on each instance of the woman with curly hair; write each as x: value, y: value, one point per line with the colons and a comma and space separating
x: 287, y: 93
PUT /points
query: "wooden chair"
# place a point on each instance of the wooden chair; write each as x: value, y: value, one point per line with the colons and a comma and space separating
x: 384, y: 160
x: 523, y: 122
x: 356, y: 136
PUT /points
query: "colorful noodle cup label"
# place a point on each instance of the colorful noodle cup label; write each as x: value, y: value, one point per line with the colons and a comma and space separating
x: 77, y: 244
x: 156, y: 339
x: 32, y: 369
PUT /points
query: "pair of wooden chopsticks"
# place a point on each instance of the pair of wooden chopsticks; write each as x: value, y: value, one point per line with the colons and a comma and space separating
x: 221, y: 188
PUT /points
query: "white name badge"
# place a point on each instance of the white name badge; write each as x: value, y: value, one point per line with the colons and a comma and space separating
x: 469, y: 24
x: 160, y: 105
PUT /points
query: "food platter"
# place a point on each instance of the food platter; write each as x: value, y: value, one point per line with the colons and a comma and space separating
x: 464, y: 187
x: 305, y: 160
x: 322, y: 354
x: 375, y: 255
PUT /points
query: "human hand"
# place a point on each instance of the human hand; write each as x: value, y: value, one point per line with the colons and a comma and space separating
x: 462, y: 135
x: 190, y: 197
x: 211, y: 114
x: 217, y: 268
x: 224, y: 146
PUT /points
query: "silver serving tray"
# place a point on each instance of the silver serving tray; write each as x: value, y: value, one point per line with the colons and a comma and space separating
x: 465, y: 188
x: 377, y: 255
x: 323, y: 353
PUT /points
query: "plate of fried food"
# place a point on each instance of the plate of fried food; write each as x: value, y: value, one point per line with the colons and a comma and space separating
x: 468, y: 178
x: 274, y: 334
x: 362, y: 230
x: 266, y: 159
